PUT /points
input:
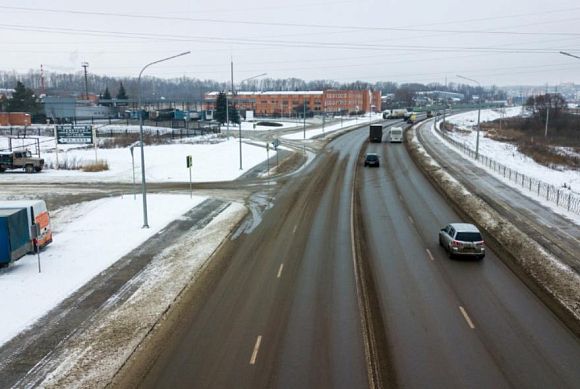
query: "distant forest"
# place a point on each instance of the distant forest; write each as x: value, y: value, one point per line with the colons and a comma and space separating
x: 191, y: 89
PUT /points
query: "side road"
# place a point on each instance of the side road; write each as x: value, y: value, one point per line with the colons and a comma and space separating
x: 544, y: 255
x: 86, y: 339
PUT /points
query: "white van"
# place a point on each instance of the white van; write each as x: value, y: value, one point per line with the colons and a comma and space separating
x: 395, y: 134
x: 37, y: 213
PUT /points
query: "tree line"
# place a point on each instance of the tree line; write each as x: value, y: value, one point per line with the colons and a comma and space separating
x: 63, y: 84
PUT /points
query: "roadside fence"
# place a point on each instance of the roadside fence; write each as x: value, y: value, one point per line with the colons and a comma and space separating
x: 561, y: 196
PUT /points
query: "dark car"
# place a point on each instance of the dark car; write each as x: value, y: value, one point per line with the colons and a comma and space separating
x: 462, y: 239
x: 372, y: 159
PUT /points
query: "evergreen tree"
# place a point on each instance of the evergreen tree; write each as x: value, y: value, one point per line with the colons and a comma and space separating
x: 23, y: 100
x: 122, y: 95
x: 106, y: 96
x: 234, y: 114
x: 220, y: 108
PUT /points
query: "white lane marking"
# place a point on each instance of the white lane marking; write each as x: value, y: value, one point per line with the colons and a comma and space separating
x: 294, y: 230
x: 430, y: 255
x: 400, y: 197
x: 411, y: 220
x: 280, y: 270
x: 466, y: 316
x: 256, y: 348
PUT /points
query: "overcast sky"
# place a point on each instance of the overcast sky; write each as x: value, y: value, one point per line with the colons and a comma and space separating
x: 501, y: 42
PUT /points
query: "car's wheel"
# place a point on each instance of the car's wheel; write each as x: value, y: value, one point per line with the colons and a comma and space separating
x: 451, y: 255
x: 37, y: 169
x: 28, y: 168
x: 440, y: 242
x: 481, y: 257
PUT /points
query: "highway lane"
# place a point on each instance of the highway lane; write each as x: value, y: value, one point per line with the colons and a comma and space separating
x: 280, y: 309
x: 284, y: 313
x: 452, y: 323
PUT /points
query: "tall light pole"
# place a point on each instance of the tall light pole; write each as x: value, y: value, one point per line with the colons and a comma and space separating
x: 86, y: 65
x: 240, y: 126
x: 304, y: 118
x: 143, y: 182
x: 478, y: 116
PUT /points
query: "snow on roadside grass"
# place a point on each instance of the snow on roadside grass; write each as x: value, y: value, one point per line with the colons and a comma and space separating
x: 312, y: 132
x: 163, y: 163
x: 508, y: 155
x: 92, y: 358
x: 89, y: 237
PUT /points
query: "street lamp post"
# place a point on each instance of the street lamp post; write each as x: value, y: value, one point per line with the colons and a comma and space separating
x: 240, y: 125
x: 143, y: 182
x: 569, y: 55
x: 304, y: 118
x: 478, y: 117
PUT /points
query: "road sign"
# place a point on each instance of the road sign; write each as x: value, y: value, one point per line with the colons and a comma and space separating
x: 276, y: 143
x: 74, y: 134
x: 188, y: 161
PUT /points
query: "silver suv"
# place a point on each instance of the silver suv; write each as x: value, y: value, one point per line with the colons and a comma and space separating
x: 462, y: 239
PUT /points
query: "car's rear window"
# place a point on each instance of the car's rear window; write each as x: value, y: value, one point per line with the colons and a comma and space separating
x: 468, y: 237
x: 372, y: 158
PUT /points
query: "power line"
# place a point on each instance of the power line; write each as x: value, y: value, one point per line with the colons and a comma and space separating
x: 302, y: 44
x: 300, y: 25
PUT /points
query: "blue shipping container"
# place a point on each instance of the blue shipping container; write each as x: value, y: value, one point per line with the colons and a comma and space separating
x: 14, y: 235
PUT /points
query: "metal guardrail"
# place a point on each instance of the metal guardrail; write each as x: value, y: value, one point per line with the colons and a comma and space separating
x: 562, y: 197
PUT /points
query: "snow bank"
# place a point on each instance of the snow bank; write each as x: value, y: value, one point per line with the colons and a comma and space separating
x: 93, y: 358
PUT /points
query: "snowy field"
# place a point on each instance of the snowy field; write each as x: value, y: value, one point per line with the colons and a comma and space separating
x: 86, y: 242
x: 217, y: 161
x: 328, y: 128
x: 508, y: 155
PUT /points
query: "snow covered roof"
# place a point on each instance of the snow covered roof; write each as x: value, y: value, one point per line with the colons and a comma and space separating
x: 272, y: 93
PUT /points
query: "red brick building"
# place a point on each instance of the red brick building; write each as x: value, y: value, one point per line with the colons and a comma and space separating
x: 290, y: 103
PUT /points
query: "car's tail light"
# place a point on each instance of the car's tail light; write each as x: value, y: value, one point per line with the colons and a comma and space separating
x: 455, y: 243
x: 479, y: 243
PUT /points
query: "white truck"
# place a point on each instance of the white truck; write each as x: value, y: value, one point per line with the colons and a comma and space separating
x: 398, y: 113
x: 395, y: 134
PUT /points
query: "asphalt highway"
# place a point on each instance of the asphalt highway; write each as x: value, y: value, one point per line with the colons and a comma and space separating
x: 282, y: 307
x: 452, y: 323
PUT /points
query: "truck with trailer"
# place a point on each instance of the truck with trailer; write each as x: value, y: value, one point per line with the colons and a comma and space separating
x: 36, y: 213
x: 20, y: 160
x: 376, y: 133
x: 14, y: 236
x: 398, y: 113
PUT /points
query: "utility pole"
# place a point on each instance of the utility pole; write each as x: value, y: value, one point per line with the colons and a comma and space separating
x: 304, y: 118
x: 86, y: 65
x: 42, y: 80
x: 547, y: 119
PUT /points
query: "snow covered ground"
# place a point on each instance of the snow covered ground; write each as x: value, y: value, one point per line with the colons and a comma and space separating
x: 328, y: 128
x: 78, y: 252
x: 508, y: 155
x: 86, y: 242
x: 216, y: 160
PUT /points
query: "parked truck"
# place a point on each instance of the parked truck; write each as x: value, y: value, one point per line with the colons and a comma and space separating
x: 376, y: 133
x: 14, y: 235
x: 20, y: 160
x: 36, y: 213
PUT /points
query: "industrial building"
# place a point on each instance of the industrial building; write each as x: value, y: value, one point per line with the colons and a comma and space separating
x: 287, y: 103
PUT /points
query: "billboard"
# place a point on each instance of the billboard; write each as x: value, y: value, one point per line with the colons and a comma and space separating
x: 74, y: 134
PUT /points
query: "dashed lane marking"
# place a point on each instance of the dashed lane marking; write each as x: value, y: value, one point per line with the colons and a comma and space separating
x: 430, y: 255
x: 256, y: 348
x: 280, y: 270
x: 466, y: 316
